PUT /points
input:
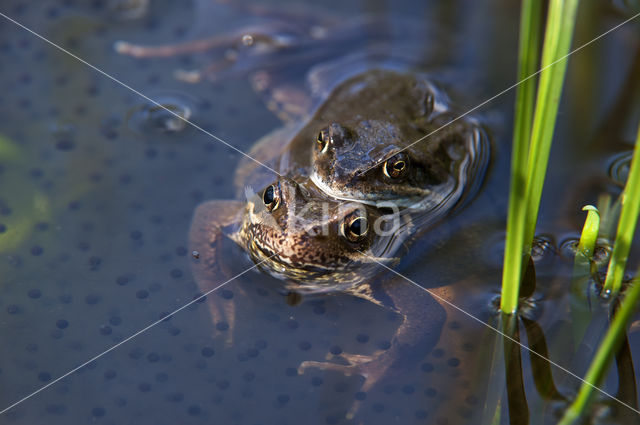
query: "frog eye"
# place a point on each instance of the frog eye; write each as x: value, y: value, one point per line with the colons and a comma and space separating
x: 271, y: 197
x: 322, y: 141
x: 395, y: 166
x: 355, y: 226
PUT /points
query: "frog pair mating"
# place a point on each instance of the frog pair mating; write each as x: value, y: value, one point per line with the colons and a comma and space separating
x: 352, y: 186
x: 352, y: 191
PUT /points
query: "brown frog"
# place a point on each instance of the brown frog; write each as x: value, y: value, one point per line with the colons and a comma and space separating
x: 317, y: 244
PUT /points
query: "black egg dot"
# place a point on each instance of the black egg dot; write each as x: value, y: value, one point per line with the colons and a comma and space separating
x: 136, y: 353
x: 175, y: 397
x: 42, y: 226
x: 283, y: 398
x: 144, y: 387
x: 362, y: 338
x: 453, y: 362
x: 3, y: 228
x: 65, y: 298
x: 44, y: 376
x: 222, y: 326
x: 34, y: 293
x: 65, y: 145
x: 62, y: 324
x: 427, y: 367
x: 304, y: 345
x: 136, y: 235
x: 36, y: 250
x: 291, y: 371
x: 335, y: 350
x: 207, y: 352
x: 122, y: 280
x: 92, y: 299
x: 142, y: 294
x: 194, y: 410
x: 421, y: 414
x: 360, y: 395
x: 226, y: 294
x: 56, y: 409
x: 94, y: 262
x: 153, y: 357
x: 176, y: 273
x: 98, y: 412
x: 13, y: 309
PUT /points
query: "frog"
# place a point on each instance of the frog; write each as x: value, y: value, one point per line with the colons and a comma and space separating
x: 315, y: 244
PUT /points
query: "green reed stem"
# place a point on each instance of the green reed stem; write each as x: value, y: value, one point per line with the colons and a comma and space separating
x: 530, y: 19
x: 626, y: 224
x: 605, y: 353
x: 526, y: 190
x: 560, y: 24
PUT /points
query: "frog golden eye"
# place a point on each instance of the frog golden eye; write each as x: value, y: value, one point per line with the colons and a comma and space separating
x: 322, y: 141
x: 271, y: 197
x: 355, y: 226
x: 395, y: 166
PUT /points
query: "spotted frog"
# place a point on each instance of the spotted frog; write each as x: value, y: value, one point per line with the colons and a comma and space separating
x: 316, y: 244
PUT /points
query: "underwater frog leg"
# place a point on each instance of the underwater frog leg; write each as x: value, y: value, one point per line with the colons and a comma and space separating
x: 211, y: 223
x: 422, y: 321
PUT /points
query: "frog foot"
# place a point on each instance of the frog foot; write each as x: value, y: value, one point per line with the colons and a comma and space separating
x: 370, y: 367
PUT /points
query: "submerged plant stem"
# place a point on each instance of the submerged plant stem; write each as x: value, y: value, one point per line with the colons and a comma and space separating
x: 605, y: 353
x: 626, y: 225
x: 530, y: 20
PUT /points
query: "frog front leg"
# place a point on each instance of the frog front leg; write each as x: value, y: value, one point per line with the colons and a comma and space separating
x: 422, y: 321
x: 212, y: 223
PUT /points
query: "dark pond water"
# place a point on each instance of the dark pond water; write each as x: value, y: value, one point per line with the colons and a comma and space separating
x: 98, y: 187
